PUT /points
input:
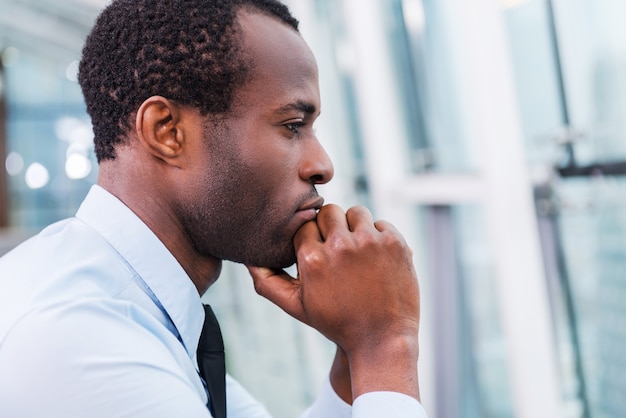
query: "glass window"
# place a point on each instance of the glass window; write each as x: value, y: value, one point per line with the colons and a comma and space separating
x: 571, y: 77
x: 50, y: 162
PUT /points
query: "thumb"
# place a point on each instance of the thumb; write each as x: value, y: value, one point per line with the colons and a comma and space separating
x: 279, y: 288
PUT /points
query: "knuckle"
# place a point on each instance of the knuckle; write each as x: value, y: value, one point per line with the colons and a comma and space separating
x: 329, y: 211
x: 309, y: 258
x: 337, y: 243
x: 329, y: 207
x: 366, y: 238
x: 394, y: 239
x: 358, y: 211
x: 391, y: 240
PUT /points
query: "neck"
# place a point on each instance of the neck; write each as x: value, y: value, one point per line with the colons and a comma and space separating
x: 146, y: 200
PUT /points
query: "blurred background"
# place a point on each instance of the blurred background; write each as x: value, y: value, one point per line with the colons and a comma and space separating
x: 491, y: 132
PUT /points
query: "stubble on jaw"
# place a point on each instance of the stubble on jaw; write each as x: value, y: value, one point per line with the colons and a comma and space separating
x: 233, y: 217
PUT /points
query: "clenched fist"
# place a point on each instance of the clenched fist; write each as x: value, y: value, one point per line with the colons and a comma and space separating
x: 357, y: 286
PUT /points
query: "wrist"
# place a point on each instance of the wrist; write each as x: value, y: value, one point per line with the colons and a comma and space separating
x: 340, y: 376
x: 389, y: 365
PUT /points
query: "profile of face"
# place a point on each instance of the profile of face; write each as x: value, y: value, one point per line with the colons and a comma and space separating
x: 253, y: 186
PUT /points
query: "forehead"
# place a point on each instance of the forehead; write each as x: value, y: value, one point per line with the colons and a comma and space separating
x: 283, y: 69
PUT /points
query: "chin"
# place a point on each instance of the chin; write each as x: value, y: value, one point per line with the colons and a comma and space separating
x: 278, y: 264
x: 276, y: 260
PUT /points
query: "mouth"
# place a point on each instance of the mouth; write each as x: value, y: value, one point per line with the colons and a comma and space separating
x: 315, y: 204
x: 308, y: 211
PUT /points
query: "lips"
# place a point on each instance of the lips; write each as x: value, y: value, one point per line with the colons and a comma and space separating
x: 316, y: 204
x: 308, y: 211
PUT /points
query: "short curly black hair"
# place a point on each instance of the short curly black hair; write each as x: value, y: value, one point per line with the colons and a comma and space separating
x: 185, y: 50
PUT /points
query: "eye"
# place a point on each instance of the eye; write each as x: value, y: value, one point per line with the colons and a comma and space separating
x: 294, y: 127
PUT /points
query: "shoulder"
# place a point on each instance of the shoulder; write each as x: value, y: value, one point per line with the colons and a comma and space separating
x: 62, y: 247
x: 67, y: 260
x: 92, y: 355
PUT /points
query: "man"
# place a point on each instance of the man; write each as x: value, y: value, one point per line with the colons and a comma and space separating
x: 203, y: 117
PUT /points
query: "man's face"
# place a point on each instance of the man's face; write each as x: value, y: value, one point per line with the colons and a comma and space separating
x: 254, y: 184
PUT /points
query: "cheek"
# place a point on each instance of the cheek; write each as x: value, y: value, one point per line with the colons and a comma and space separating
x: 275, y: 168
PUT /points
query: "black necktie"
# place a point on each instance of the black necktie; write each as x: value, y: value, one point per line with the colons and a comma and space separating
x: 211, y: 363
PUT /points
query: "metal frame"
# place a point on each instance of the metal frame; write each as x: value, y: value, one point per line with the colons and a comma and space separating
x: 4, y: 187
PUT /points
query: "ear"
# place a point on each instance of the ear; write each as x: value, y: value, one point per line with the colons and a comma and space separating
x: 158, y: 130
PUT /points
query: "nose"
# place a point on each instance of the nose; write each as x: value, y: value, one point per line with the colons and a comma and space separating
x: 316, y: 168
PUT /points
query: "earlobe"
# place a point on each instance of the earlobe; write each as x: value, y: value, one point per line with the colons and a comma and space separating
x: 157, y: 128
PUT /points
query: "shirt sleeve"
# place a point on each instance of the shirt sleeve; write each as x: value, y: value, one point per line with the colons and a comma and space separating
x: 328, y: 404
x: 387, y: 404
x: 369, y: 405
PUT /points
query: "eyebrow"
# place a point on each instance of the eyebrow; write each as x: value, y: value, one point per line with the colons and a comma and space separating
x: 300, y: 105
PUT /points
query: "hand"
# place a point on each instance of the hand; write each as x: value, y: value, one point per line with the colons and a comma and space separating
x: 356, y: 285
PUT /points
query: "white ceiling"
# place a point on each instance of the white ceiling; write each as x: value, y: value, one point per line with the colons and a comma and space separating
x: 56, y: 28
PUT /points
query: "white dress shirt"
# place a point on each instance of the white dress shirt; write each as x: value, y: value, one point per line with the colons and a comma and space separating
x: 98, y: 319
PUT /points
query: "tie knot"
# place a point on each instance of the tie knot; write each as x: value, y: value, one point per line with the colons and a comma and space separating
x: 211, y: 336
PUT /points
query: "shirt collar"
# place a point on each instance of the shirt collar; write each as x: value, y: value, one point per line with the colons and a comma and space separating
x: 149, y: 257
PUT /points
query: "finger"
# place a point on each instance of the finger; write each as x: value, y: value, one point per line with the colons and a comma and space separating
x: 331, y: 218
x: 308, y: 233
x: 388, y: 228
x: 359, y: 217
x: 279, y: 288
x: 385, y: 226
